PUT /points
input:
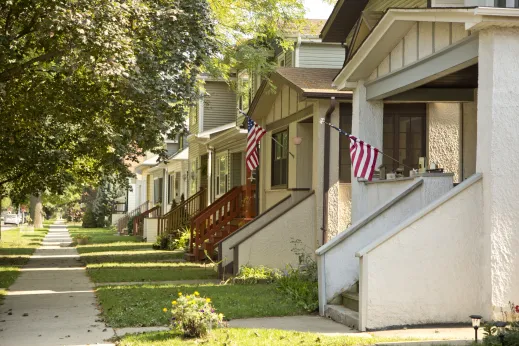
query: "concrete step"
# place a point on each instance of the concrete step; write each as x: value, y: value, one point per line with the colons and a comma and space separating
x: 350, y: 300
x: 343, y: 315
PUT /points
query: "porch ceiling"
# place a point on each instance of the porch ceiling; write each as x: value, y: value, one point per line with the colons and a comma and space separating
x: 465, y: 78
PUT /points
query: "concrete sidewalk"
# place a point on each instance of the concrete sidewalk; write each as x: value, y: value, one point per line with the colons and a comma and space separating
x: 52, y: 302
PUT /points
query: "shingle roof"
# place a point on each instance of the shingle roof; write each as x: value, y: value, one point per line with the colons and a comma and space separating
x: 312, y: 82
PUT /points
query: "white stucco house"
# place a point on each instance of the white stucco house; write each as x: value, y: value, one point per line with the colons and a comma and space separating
x: 435, y: 79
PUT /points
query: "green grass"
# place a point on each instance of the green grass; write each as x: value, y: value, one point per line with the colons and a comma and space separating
x: 100, y: 235
x: 133, y: 272
x: 250, y: 337
x: 134, y: 256
x: 139, y: 306
x: 16, y: 247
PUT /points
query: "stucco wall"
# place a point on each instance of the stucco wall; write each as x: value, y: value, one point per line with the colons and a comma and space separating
x: 470, y: 130
x: 444, y: 136
x: 429, y: 271
x: 272, y: 246
x: 498, y: 160
x: 338, y: 261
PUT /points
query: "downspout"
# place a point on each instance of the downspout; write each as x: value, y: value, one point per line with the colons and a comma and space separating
x: 326, y: 173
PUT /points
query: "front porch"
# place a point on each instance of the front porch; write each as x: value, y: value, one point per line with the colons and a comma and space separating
x: 451, y: 77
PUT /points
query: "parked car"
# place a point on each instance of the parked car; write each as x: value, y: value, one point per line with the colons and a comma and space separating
x: 12, y: 219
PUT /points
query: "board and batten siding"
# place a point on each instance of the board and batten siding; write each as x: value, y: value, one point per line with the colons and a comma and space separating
x: 422, y: 40
x: 321, y: 56
x: 382, y: 5
x: 219, y: 105
x: 287, y: 103
x: 288, y: 58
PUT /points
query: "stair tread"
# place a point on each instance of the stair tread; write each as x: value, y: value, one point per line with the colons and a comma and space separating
x: 350, y: 295
x: 343, y: 315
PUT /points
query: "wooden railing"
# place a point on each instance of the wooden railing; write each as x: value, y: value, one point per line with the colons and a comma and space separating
x: 182, y: 214
x: 138, y: 221
x: 122, y: 224
x: 231, y: 205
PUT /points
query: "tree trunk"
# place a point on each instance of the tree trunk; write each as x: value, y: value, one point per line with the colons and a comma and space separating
x: 37, y: 211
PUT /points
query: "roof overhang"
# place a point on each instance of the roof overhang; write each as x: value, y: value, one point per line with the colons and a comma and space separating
x: 397, y: 22
x: 204, y: 136
x: 342, y: 19
x: 180, y: 155
x: 232, y: 134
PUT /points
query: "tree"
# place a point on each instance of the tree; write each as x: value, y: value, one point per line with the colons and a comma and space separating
x: 87, y: 85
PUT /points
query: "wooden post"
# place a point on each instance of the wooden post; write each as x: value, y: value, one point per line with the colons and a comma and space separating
x: 248, y: 195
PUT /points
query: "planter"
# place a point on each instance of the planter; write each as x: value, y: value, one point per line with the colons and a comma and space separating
x: 82, y: 241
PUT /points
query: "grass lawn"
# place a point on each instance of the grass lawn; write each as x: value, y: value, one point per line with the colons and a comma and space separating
x: 250, y: 337
x: 132, y: 256
x: 99, y: 235
x: 149, y: 271
x: 15, y: 249
x: 139, y: 306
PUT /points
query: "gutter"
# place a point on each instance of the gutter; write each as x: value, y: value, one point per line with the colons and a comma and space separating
x: 326, y: 173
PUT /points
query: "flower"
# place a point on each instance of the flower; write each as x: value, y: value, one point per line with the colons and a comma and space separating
x: 202, y: 310
x: 208, y: 300
x: 174, y: 302
x: 180, y: 294
x: 196, y: 293
x: 220, y: 316
x: 517, y: 309
x: 165, y: 310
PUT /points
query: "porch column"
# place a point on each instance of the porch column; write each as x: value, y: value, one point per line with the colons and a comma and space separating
x: 498, y: 160
x: 367, y: 125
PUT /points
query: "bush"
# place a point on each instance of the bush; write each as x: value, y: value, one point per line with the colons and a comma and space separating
x: 194, y: 316
x: 510, y: 337
x: 173, y: 240
x: 254, y: 275
x: 300, y: 284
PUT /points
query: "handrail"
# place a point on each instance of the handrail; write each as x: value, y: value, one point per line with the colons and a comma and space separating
x: 123, y: 222
x: 217, y: 215
x: 181, y: 214
x: 138, y: 227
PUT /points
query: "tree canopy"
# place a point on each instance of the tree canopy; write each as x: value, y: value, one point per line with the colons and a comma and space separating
x: 87, y: 84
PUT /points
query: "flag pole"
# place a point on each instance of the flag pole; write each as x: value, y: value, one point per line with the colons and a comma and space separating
x: 342, y: 132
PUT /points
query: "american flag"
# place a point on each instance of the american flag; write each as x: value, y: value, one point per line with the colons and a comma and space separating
x: 363, y: 158
x: 255, y: 132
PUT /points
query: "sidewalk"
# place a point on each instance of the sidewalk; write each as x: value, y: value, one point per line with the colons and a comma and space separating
x: 52, y: 302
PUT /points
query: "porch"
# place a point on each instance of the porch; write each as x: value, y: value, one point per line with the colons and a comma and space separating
x: 453, y: 254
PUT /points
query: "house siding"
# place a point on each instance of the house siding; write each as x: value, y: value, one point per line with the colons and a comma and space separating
x: 219, y: 105
x: 447, y: 3
x: 382, y: 5
x: 321, y: 56
x: 288, y: 59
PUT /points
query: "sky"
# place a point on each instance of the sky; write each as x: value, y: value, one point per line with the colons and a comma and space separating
x: 317, y: 9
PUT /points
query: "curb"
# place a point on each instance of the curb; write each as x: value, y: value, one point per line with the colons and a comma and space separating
x: 426, y: 343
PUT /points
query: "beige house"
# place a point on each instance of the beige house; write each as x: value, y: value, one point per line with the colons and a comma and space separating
x: 437, y: 80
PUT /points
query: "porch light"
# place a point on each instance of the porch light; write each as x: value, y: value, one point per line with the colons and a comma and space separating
x: 476, y: 322
x: 297, y: 140
x: 501, y: 328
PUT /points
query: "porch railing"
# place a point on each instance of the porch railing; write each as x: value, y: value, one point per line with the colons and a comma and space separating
x: 233, y: 204
x: 138, y: 221
x: 182, y: 214
x: 122, y: 224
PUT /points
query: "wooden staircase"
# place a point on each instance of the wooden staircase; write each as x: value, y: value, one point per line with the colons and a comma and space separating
x: 122, y: 224
x: 181, y: 215
x: 217, y: 221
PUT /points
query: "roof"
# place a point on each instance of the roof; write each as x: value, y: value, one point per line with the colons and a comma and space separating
x: 152, y: 161
x: 180, y: 155
x: 312, y: 82
x: 344, y: 16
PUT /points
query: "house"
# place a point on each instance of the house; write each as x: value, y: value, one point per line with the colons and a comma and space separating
x: 435, y: 79
x: 289, y: 180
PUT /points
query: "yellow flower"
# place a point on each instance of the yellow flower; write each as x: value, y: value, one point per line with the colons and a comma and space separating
x: 197, y: 294
x: 208, y: 300
x: 165, y: 310
x: 180, y: 294
x: 174, y: 302
x: 220, y: 316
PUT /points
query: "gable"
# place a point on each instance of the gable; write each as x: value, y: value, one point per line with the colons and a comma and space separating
x: 287, y: 102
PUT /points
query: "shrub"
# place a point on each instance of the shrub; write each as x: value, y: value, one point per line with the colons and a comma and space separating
x: 510, y: 337
x: 182, y: 241
x: 254, y: 275
x: 173, y: 240
x: 194, y: 316
x: 300, y: 284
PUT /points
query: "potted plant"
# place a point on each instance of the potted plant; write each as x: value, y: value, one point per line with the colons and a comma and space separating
x: 81, y: 239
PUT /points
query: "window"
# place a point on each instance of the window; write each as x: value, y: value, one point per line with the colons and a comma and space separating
x: 222, y: 172
x: 171, y: 193
x: 177, y: 184
x: 345, y: 113
x: 279, y: 159
x: 404, y: 135
x: 157, y: 189
x: 192, y: 178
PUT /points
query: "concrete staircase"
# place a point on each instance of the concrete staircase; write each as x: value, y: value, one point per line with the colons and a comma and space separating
x: 347, y: 309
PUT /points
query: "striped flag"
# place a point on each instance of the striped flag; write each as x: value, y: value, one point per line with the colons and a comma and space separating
x: 363, y: 158
x: 255, y: 132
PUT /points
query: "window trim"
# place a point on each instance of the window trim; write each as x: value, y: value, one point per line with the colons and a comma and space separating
x: 272, y: 149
